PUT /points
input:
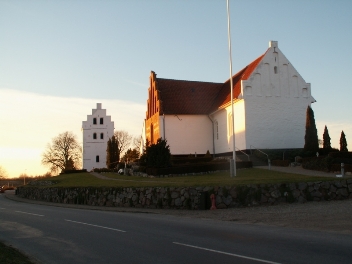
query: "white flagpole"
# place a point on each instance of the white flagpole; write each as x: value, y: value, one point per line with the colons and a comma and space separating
x: 233, y: 160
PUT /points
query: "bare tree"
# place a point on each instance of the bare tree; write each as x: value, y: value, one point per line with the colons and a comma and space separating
x: 3, y: 173
x: 124, y: 141
x: 63, y: 153
x: 137, y: 143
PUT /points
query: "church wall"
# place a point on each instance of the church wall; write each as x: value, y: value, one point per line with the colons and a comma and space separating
x: 223, y: 128
x: 276, y: 98
x: 188, y: 134
x: 96, y: 147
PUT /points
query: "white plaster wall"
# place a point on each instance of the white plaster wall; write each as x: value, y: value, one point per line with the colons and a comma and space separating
x: 96, y: 147
x: 275, y: 103
x: 187, y: 134
x: 223, y: 141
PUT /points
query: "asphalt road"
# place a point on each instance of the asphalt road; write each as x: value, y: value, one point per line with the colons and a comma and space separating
x: 66, y: 235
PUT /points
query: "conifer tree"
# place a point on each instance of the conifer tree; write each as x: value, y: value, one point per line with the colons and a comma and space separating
x: 326, y: 139
x: 343, y: 142
x: 112, y: 153
x: 311, y: 137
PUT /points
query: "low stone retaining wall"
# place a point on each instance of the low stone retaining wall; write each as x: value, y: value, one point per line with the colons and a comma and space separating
x: 194, y: 198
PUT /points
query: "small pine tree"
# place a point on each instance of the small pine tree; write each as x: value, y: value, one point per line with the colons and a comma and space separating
x: 326, y: 139
x: 158, y: 155
x: 343, y: 142
x: 311, y: 137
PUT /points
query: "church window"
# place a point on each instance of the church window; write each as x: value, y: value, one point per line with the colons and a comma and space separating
x: 275, y: 69
x: 101, y: 120
x: 97, y: 158
x: 94, y: 135
x: 94, y: 121
x: 101, y: 135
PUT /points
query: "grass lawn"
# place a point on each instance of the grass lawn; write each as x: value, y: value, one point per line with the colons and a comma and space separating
x: 10, y: 255
x: 244, y: 177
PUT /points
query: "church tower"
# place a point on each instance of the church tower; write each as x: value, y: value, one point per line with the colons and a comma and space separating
x: 96, y: 132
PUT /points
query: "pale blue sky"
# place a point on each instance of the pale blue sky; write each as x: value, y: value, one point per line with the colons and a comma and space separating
x: 96, y: 51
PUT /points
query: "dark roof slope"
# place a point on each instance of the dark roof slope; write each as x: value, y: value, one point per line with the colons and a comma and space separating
x: 180, y: 97
x: 186, y: 97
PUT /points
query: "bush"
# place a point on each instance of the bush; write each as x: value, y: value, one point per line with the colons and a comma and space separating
x: 197, y: 168
x: 347, y: 155
x: 321, y: 163
x: 185, y: 160
x: 337, y: 167
x: 158, y: 155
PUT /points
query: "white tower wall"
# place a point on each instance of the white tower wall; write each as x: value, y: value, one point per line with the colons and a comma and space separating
x: 96, y: 132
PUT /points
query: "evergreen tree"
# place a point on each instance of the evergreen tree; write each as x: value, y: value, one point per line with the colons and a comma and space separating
x: 326, y: 139
x: 311, y: 137
x: 158, y: 155
x: 343, y: 142
x: 112, y: 153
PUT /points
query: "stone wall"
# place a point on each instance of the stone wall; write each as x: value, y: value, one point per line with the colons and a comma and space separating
x: 194, y: 197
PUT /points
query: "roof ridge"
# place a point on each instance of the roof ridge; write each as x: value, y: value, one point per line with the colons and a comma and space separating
x: 187, y: 81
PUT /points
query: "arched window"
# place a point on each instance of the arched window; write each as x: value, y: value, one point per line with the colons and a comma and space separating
x: 101, y: 121
x: 101, y: 135
x: 275, y: 69
x: 94, y: 135
x: 94, y: 121
x: 97, y: 158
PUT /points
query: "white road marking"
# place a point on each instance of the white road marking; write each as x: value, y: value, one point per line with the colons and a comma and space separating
x: 28, y: 213
x: 226, y: 253
x: 114, y: 229
x: 2, y: 208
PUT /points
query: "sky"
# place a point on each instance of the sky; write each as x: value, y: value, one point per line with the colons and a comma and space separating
x: 59, y: 58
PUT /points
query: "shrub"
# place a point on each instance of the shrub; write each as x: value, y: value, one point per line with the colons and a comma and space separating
x: 73, y: 171
x: 158, y: 155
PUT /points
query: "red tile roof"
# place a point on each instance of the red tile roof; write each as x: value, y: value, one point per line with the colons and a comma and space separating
x: 224, y: 95
x: 180, y: 97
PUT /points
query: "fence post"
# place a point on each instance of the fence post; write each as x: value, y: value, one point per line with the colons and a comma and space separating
x: 269, y: 163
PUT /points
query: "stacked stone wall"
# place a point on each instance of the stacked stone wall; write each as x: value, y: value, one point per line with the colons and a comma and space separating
x: 194, y: 197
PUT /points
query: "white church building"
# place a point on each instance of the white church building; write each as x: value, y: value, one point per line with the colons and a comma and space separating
x: 96, y: 132
x: 270, y: 103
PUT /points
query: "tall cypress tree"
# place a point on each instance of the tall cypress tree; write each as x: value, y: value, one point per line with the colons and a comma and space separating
x: 343, y: 142
x: 112, y: 154
x: 311, y: 138
x: 326, y: 139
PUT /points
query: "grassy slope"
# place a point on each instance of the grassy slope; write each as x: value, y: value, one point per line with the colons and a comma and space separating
x: 245, y: 176
x: 10, y: 255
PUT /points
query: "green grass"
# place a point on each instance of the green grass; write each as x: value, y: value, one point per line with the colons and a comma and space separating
x: 10, y: 255
x: 244, y: 177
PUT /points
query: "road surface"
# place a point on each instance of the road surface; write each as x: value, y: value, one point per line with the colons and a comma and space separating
x: 67, y: 235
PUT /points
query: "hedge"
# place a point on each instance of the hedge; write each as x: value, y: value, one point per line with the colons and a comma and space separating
x: 197, y: 168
